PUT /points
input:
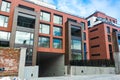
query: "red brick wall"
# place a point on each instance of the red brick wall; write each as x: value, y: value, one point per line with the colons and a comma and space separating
x: 9, y: 60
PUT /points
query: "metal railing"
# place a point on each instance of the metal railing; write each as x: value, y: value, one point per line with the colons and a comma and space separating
x: 95, y: 63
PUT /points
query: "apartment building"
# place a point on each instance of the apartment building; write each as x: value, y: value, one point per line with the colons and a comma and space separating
x: 101, y: 38
x: 53, y: 38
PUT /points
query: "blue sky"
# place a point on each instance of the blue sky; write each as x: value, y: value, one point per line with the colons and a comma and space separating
x: 86, y: 7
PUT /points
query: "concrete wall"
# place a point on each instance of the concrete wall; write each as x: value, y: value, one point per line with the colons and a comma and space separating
x: 117, y: 62
x: 84, y: 70
x: 31, y: 72
x: 52, y: 67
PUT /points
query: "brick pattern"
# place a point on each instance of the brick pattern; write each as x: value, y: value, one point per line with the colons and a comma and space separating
x: 9, y: 60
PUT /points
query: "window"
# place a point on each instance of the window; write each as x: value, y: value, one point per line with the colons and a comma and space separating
x: 72, y: 20
x: 75, y: 44
x: 88, y: 23
x: 25, y: 7
x: 77, y: 56
x: 45, y: 16
x: 3, y: 21
x: 83, y: 25
x: 44, y: 42
x: 5, y: 36
x: 109, y: 38
x: 24, y: 38
x: 98, y: 54
x: 114, y: 30
x: 44, y: 28
x: 27, y: 22
x: 95, y: 46
x: 5, y: 6
x: 57, y: 43
x: 94, y: 38
x: 94, y: 30
x: 57, y: 19
x: 108, y: 29
x: 57, y: 31
x: 84, y: 36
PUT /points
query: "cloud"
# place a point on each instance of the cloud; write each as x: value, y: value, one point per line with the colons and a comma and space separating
x: 86, y: 7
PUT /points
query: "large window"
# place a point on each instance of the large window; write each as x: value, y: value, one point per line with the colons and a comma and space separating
x: 5, y: 6
x: 57, y: 19
x: 75, y: 44
x: 44, y: 42
x: 57, y: 43
x: 4, y: 36
x: 24, y: 38
x: 57, y: 31
x: 45, y: 16
x: 3, y: 21
x: 44, y: 28
x: 26, y: 21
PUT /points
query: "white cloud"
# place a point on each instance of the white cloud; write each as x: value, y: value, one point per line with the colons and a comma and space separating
x: 78, y: 7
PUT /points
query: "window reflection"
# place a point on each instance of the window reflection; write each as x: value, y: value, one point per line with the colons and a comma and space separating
x: 4, y: 35
x: 44, y: 42
x: 57, y: 19
x: 76, y: 44
x: 3, y: 21
x: 5, y: 6
x: 24, y: 38
x: 77, y: 56
x: 57, y: 31
x: 57, y: 43
x: 44, y: 28
x: 45, y: 16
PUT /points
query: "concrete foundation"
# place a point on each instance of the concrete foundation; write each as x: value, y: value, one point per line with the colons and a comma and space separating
x: 84, y: 70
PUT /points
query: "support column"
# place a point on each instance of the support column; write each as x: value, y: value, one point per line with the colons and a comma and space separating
x: 36, y: 34
x: 117, y: 62
x: 22, y: 63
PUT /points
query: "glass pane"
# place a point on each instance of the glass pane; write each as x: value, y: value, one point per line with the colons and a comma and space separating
x: 57, y: 31
x: 77, y: 56
x: 45, y: 16
x: 45, y: 29
x: 3, y: 6
x: 4, y: 35
x: 2, y: 20
x: 76, y: 44
x: 44, y: 42
x: 23, y: 38
x: 57, y: 43
x: 57, y: 19
x: 8, y: 5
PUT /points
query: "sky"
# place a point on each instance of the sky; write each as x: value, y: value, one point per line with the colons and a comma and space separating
x: 85, y: 8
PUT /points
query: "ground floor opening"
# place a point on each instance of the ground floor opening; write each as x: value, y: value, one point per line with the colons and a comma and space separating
x: 50, y: 64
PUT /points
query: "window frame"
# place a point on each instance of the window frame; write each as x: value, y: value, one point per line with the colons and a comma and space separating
x: 41, y: 28
x: 41, y: 41
x: 61, y: 43
x: 7, y: 8
x: 5, y: 23
x: 42, y: 16
x: 60, y: 19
